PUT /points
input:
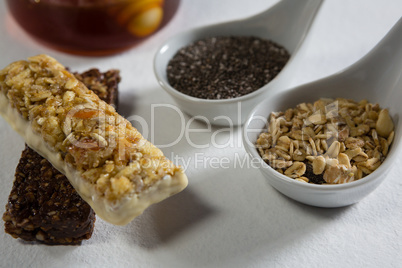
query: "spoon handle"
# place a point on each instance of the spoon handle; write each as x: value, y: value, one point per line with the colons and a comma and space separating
x: 293, y: 17
x: 380, y: 70
x: 385, y: 58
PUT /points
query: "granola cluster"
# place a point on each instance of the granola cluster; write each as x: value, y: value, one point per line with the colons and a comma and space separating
x: 330, y: 141
x: 87, y: 133
x: 43, y: 206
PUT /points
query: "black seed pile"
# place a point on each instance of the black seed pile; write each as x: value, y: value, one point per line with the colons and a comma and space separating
x: 225, y: 67
x: 316, y: 179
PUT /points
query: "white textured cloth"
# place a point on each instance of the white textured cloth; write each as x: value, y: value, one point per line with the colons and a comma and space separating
x: 228, y: 216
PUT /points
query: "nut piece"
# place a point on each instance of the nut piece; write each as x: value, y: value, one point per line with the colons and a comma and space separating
x: 280, y: 163
x: 391, y: 138
x: 352, y: 143
x: 318, y: 165
x: 317, y: 118
x: 338, y: 174
x: 302, y: 179
x: 299, y: 155
x: 283, y: 143
x: 331, y: 162
x: 344, y: 160
x: 384, y: 125
x: 296, y: 170
x: 333, y: 150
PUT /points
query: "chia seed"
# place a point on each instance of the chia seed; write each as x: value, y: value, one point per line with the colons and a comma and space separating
x: 225, y: 67
x: 313, y: 178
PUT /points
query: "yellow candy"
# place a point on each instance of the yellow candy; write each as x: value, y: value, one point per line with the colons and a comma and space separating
x: 146, y: 22
x: 141, y: 17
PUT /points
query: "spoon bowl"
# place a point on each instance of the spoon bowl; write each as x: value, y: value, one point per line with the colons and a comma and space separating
x: 377, y: 77
x: 286, y: 23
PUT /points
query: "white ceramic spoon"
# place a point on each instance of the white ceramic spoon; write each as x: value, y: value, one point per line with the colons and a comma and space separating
x: 286, y: 23
x: 377, y: 77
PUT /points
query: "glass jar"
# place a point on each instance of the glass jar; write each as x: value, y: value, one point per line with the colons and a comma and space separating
x: 91, y: 27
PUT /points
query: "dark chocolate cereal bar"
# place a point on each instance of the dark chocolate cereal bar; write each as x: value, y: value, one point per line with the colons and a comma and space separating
x: 105, y: 85
x: 43, y: 206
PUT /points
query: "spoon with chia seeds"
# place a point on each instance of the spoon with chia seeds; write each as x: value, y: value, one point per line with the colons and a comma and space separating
x: 377, y: 77
x: 286, y: 24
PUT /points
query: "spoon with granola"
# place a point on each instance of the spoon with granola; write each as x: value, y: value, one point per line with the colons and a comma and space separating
x: 329, y: 143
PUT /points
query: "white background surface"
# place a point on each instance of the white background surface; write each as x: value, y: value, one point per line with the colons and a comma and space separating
x: 228, y: 216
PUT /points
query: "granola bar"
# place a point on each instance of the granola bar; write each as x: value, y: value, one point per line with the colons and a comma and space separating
x: 112, y: 167
x: 43, y: 206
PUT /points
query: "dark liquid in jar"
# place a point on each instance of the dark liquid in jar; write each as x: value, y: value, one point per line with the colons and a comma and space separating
x: 92, y: 27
